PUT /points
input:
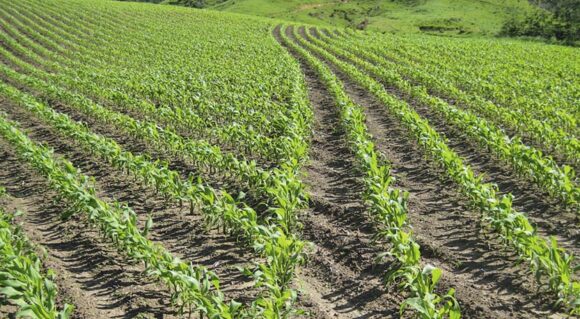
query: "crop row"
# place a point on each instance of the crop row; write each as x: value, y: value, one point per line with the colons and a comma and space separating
x: 552, y: 265
x: 191, y: 286
x: 100, y: 88
x: 283, y: 252
x: 387, y: 205
x: 553, y: 139
x: 538, y: 81
x: 105, y: 80
x: 24, y: 283
x: 526, y: 161
x: 280, y: 184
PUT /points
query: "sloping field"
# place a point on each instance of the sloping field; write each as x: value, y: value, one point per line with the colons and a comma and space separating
x: 168, y: 162
x: 442, y: 17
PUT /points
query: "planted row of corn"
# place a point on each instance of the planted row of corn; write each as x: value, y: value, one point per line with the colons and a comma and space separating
x: 23, y: 281
x: 534, y: 79
x: 282, y: 252
x: 192, y: 287
x: 553, y: 139
x: 552, y: 266
x: 387, y: 205
x: 182, y: 119
x: 526, y: 161
x: 280, y: 186
x: 273, y: 183
x: 98, y: 74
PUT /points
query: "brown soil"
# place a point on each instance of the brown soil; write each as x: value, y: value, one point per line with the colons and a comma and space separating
x: 487, y: 282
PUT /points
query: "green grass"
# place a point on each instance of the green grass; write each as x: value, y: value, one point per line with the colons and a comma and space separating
x: 450, y: 17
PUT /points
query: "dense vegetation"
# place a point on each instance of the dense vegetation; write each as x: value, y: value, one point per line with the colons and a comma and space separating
x: 233, y: 166
x: 552, y: 19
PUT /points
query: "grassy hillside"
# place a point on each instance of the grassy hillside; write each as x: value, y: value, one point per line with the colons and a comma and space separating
x: 454, y: 17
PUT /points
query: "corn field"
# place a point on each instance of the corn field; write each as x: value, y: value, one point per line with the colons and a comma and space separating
x: 167, y: 162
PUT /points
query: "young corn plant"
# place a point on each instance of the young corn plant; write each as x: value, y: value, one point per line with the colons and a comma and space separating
x: 23, y: 281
